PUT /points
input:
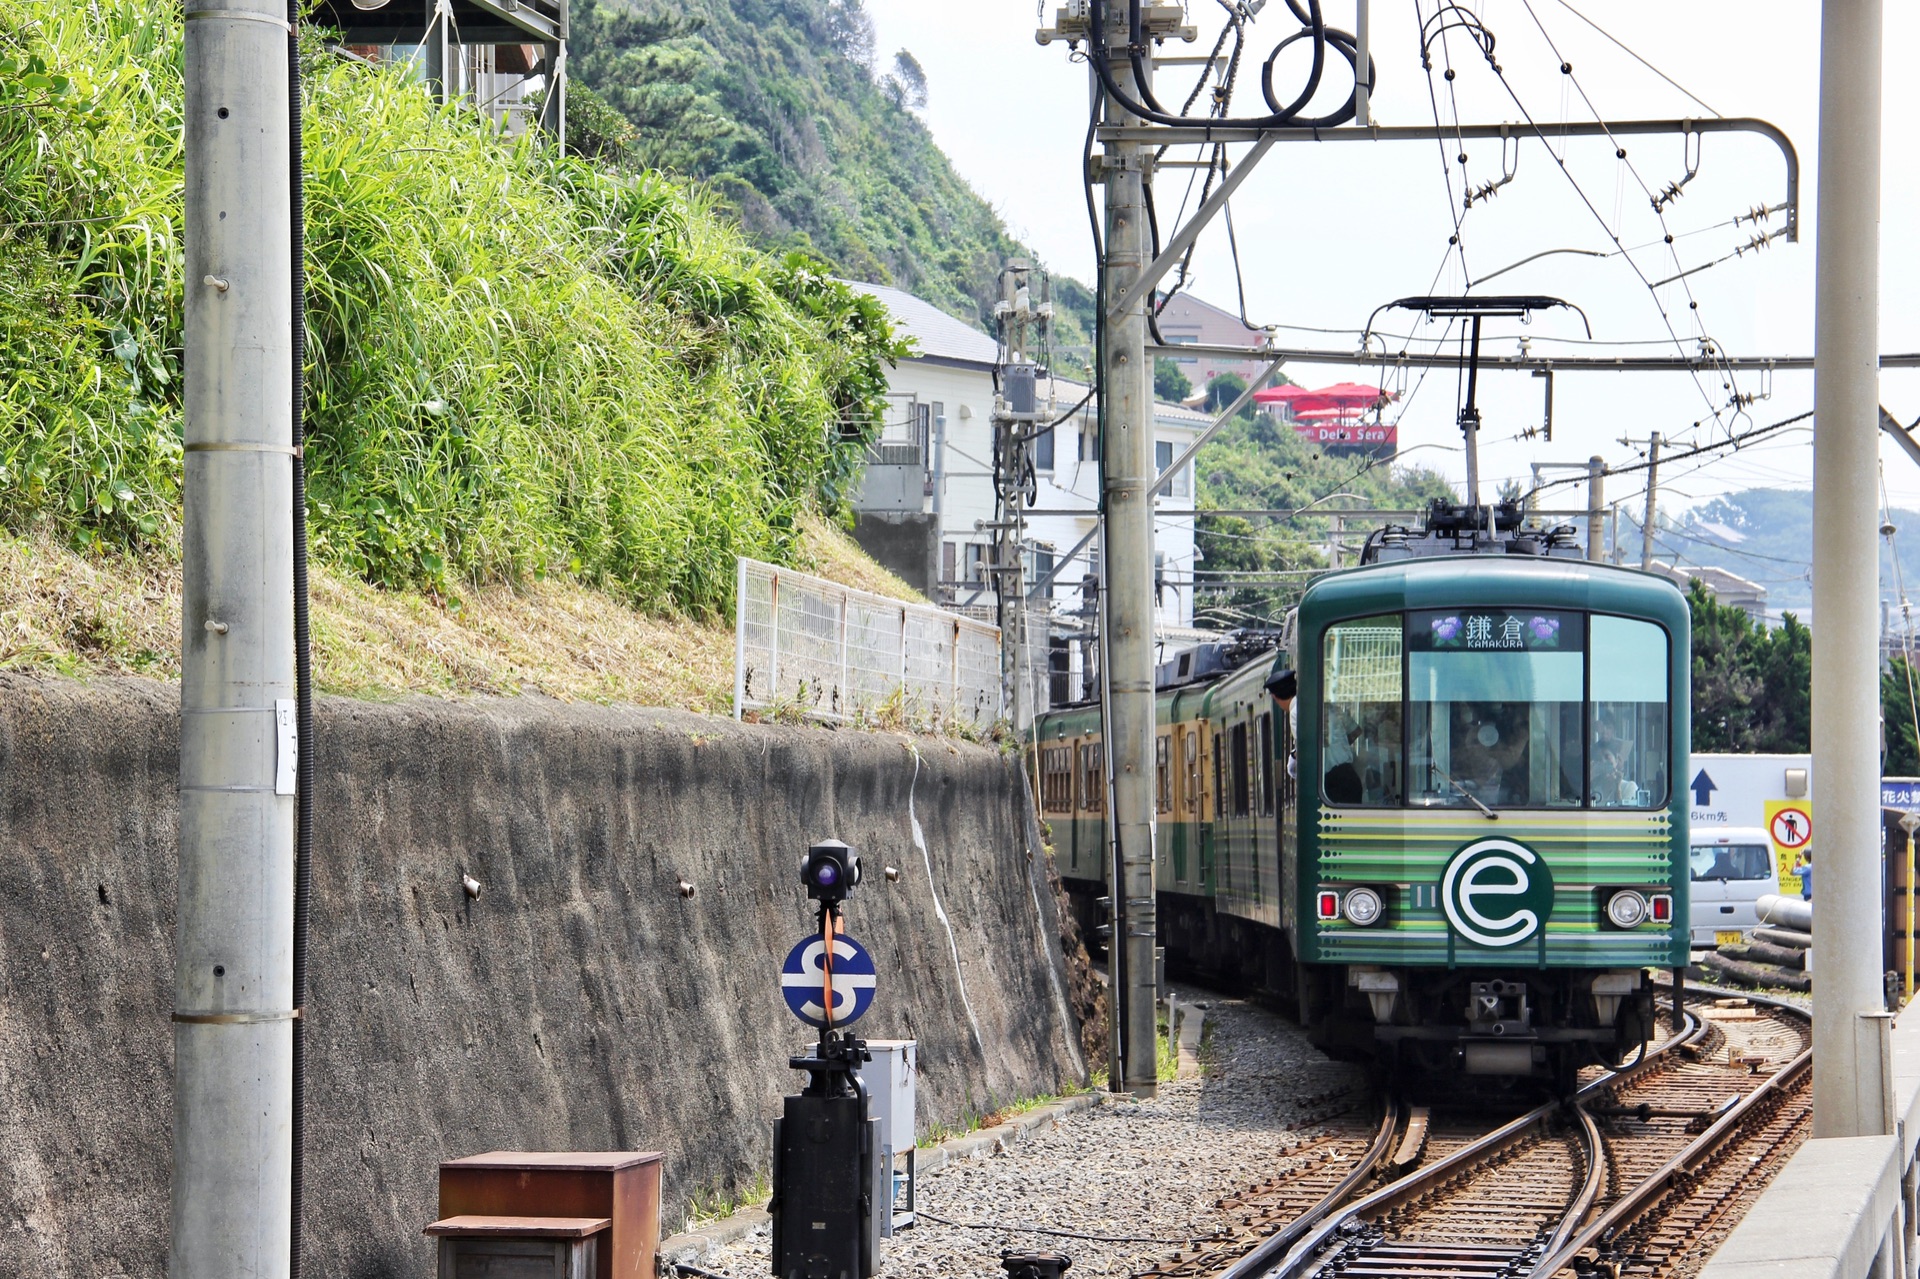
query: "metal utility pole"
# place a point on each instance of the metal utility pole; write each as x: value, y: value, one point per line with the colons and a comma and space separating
x: 1852, y: 1085
x: 1126, y: 629
x: 233, y: 979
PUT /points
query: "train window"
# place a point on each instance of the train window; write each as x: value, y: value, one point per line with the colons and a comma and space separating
x: 1266, y: 765
x: 1193, y: 771
x: 1360, y: 722
x: 1289, y: 779
x: 1056, y: 779
x: 1629, y: 714
x: 1093, y: 780
x: 1163, y: 773
x: 1495, y: 708
x: 1237, y: 748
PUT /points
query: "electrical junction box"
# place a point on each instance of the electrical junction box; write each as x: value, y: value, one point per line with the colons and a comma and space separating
x: 890, y: 1079
x: 1018, y: 382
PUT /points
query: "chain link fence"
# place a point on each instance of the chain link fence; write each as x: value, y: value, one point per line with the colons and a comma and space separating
x: 836, y: 653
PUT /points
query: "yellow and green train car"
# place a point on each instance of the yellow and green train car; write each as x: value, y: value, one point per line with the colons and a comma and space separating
x: 1461, y: 844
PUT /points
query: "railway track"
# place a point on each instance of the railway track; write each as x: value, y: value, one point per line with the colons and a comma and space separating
x: 1627, y: 1178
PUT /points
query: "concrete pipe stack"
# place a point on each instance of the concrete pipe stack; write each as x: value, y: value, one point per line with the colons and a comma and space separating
x: 1780, y: 952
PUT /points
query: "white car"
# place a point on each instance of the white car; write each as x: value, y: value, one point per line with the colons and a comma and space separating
x: 1732, y: 868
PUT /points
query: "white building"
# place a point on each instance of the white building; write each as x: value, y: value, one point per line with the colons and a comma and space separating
x: 928, y: 494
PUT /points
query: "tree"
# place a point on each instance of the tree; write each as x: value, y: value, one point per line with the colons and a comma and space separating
x: 636, y: 99
x: 1752, y: 686
x: 1224, y: 390
x: 907, y: 86
x: 1169, y: 383
x: 1897, y: 685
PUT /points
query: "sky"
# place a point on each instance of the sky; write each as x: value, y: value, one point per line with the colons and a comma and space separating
x: 1328, y: 232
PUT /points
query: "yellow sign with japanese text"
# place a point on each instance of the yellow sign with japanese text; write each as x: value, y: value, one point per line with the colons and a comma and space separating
x: 1790, y: 831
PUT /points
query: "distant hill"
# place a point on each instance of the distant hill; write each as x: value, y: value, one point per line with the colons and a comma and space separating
x: 1766, y: 535
x: 780, y: 104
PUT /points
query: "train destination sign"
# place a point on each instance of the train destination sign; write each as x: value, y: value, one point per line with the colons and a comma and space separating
x: 1496, y: 630
x: 1496, y: 892
x: 804, y: 982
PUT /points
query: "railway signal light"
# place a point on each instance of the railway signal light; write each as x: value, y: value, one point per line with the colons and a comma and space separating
x: 830, y: 870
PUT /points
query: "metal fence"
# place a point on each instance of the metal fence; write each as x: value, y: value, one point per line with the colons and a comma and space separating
x: 841, y: 654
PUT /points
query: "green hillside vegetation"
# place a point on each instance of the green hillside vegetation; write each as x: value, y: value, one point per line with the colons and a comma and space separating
x: 1766, y: 536
x: 521, y: 364
x: 779, y: 104
x: 1258, y: 463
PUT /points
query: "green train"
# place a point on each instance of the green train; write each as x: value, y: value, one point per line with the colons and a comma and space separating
x: 1457, y: 836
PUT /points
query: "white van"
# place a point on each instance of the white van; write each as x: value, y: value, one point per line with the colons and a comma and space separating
x: 1732, y: 868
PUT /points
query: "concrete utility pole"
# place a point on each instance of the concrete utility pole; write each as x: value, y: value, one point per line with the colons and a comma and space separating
x: 1016, y: 415
x: 1852, y: 1084
x: 1596, y: 508
x: 1653, y: 502
x: 233, y: 979
x: 1126, y: 630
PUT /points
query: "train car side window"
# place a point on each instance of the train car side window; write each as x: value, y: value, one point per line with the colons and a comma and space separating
x: 1360, y: 720
x: 1629, y: 714
x: 1163, y: 772
x: 1056, y: 779
x: 1266, y: 764
x: 1093, y: 781
x: 1193, y: 772
x: 1237, y: 747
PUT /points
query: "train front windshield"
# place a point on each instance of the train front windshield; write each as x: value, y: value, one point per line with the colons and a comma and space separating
x: 1506, y: 708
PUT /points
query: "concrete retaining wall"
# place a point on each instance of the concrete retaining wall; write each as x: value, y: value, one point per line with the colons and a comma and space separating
x: 579, y: 1003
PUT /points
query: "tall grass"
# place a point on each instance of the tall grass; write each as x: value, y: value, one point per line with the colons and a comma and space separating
x: 519, y: 364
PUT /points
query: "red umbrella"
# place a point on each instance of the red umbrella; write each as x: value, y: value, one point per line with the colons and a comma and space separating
x: 1279, y: 394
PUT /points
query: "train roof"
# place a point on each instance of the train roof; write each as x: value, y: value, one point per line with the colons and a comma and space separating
x: 1511, y: 580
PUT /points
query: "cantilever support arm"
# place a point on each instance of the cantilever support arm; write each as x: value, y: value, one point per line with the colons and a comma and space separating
x: 1187, y: 135
x: 1902, y: 434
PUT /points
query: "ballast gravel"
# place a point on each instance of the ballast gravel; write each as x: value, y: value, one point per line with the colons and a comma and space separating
x: 1145, y: 1175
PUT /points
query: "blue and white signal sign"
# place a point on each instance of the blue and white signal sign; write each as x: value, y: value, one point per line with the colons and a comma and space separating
x: 803, y: 981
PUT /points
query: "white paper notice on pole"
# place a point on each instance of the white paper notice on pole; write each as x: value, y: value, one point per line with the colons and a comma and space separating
x: 287, y: 755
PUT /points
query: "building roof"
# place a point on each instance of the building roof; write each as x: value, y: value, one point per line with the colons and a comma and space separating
x: 1725, y: 586
x: 1066, y: 390
x: 939, y: 338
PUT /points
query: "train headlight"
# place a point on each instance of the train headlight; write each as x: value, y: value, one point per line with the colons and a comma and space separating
x: 1329, y: 906
x: 1627, y: 909
x: 1364, y: 907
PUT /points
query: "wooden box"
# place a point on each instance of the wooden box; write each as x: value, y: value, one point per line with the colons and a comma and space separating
x: 620, y: 1185
x: 518, y: 1247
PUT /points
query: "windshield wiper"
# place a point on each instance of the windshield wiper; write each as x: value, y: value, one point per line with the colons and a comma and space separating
x: 1467, y: 795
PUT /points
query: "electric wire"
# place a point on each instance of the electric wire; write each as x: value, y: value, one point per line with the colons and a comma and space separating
x: 1053, y: 1231
x: 1906, y: 607
x: 1636, y: 57
x: 1709, y: 346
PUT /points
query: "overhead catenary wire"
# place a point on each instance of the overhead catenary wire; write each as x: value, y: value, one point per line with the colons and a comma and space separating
x: 1620, y: 152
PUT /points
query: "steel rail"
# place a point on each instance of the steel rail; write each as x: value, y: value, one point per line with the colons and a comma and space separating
x: 1397, y: 1115
x: 1632, y: 1205
x: 1590, y: 1190
x: 1303, y: 1254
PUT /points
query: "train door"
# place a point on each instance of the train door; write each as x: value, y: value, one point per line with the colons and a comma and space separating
x: 1239, y: 802
x: 1204, y: 804
x: 1166, y: 868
